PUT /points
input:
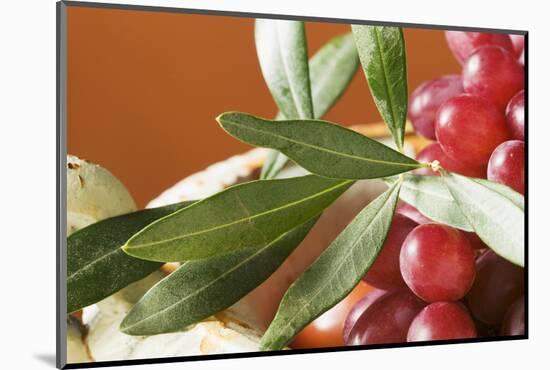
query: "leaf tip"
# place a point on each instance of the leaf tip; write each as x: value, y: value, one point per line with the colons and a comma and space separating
x: 226, y: 117
x: 219, y: 118
x: 124, y: 328
x: 128, y: 324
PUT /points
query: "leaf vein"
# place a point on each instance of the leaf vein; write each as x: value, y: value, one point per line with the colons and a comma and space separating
x: 212, y: 282
x: 341, y: 154
x: 388, y: 93
x: 318, y: 291
x: 88, y: 266
x: 243, y: 220
x: 286, y: 69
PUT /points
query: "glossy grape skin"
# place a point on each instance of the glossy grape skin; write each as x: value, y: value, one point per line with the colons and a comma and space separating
x: 384, y: 272
x: 498, y: 283
x: 518, y: 41
x: 469, y: 128
x: 434, y: 152
x: 326, y: 330
x: 437, y: 263
x: 494, y: 74
x: 514, y: 320
x: 426, y: 99
x: 441, y: 321
x: 357, y: 310
x: 409, y: 211
x: 463, y: 44
x: 387, y: 320
x: 507, y: 165
x: 515, y: 116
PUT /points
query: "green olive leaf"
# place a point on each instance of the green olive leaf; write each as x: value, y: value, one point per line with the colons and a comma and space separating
x: 507, y: 192
x: 383, y: 57
x: 429, y: 195
x: 321, y: 147
x: 282, y: 51
x: 331, y: 70
x: 335, y: 272
x: 496, y: 218
x: 199, y: 289
x: 97, y: 267
x: 246, y: 215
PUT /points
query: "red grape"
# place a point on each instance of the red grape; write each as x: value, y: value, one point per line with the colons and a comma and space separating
x: 514, y: 320
x: 409, y: 211
x: 498, y: 283
x: 357, y: 310
x: 426, y: 99
x: 469, y: 128
x: 387, y: 320
x: 385, y: 273
x: 475, y: 241
x: 507, y: 165
x: 462, y: 44
x: 518, y: 41
x: 515, y: 116
x: 493, y: 73
x: 437, y: 263
x: 434, y: 151
x: 441, y: 321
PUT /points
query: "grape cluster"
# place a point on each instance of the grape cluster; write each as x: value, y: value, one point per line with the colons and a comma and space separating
x: 434, y: 282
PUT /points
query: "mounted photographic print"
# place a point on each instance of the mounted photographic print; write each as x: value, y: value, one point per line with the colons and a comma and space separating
x: 235, y: 184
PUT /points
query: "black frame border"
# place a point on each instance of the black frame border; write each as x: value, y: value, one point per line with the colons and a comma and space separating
x: 61, y: 154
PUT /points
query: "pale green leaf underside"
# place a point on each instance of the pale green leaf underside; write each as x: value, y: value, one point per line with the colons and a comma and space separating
x: 503, y: 190
x: 282, y: 51
x: 199, y: 289
x: 431, y: 197
x: 320, y: 147
x: 97, y: 267
x: 335, y: 273
x: 331, y: 70
x: 496, y: 219
x: 383, y: 57
x: 245, y: 215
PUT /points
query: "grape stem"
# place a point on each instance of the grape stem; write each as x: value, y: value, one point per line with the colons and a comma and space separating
x: 436, y: 166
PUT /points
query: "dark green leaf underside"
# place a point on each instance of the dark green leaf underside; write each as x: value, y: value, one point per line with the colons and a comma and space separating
x: 199, y: 289
x: 97, y: 267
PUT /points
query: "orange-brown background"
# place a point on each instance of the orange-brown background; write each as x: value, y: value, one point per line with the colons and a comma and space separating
x: 144, y: 89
